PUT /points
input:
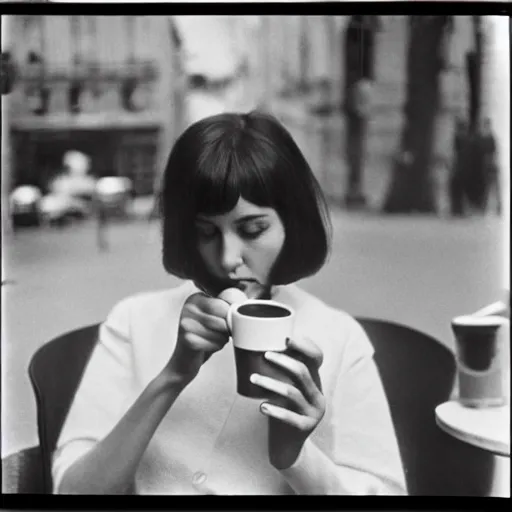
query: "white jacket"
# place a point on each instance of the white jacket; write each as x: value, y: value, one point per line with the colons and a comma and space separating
x: 213, y: 441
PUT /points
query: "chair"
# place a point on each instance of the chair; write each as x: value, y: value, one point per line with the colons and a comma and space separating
x: 24, y: 202
x: 418, y: 373
x: 55, y: 372
x: 22, y: 472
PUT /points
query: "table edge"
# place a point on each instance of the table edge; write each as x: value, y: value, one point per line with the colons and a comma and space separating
x: 496, y: 447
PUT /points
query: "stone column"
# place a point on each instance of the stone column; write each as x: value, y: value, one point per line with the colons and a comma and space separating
x: 170, y: 87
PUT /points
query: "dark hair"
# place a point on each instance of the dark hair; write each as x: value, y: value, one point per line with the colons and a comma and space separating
x: 221, y: 158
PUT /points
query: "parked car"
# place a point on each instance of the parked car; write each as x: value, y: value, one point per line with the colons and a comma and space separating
x: 60, y: 209
x: 24, y: 206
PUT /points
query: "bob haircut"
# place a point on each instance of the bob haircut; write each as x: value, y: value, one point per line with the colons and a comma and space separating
x: 221, y: 158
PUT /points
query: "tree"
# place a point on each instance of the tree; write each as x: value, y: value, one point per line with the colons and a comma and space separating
x: 412, y: 187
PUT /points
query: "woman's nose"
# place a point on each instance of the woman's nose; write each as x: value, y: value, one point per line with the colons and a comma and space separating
x: 231, y: 253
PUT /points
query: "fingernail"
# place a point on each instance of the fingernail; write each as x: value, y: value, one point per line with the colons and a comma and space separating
x: 253, y: 378
x: 264, y: 407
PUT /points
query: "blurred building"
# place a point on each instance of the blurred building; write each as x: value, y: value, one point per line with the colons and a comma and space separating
x: 102, y: 85
x: 218, y: 59
x: 304, y: 75
x: 115, y: 87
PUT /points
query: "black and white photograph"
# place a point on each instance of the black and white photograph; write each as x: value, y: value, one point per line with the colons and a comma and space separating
x: 255, y: 254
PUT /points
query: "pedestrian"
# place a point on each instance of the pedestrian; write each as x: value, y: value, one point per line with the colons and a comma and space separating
x: 71, y: 190
x: 491, y: 176
x: 469, y: 183
x: 401, y: 165
x: 157, y: 410
x: 101, y: 224
x: 458, y: 175
x: 76, y: 180
x: 359, y: 44
x: 475, y: 171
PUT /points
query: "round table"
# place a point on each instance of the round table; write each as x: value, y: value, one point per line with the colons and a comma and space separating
x: 487, y: 428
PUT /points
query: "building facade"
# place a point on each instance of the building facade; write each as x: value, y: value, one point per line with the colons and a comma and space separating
x: 106, y: 57
x: 104, y: 85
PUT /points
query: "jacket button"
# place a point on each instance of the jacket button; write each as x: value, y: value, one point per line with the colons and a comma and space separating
x: 199, y: 478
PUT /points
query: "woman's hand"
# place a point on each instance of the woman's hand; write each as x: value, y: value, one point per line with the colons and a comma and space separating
x: 202, y: 332
x: 297, y: 410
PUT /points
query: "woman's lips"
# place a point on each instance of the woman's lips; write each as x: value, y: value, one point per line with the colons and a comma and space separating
x: 241, y: 284
x: 250, y: 287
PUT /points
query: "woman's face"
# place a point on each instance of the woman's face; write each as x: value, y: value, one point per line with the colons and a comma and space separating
x: 239, y: 248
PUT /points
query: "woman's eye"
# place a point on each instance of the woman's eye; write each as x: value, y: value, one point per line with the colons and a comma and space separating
x: 252, y: 230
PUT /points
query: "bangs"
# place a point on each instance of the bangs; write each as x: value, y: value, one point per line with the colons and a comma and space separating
x: 225, y: 174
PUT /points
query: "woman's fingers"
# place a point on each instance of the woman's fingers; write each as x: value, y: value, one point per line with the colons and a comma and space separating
x: 193, y: 328
x: 291, y: 393
x: 210, y: 305
x: 214, y: 323
x: 308, y: 349
x: 211, y: 312
x: 198, y: 343
x: 300, y: 372
x: 202, y: 332
x: 299, y: 421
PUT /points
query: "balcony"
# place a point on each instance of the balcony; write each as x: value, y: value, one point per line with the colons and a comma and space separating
x: 87, y: 97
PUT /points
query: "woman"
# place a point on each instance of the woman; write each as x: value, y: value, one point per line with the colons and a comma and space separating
x: 157, y: 410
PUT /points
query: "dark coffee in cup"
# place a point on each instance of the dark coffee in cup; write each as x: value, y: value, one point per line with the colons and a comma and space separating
x: 258, y: 326
x: 263, y: 311
x: 479, y: 365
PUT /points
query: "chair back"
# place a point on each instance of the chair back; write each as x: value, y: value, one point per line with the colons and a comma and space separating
x: 22, y: 472
x: 418, y: 373
x: 55, y: 372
